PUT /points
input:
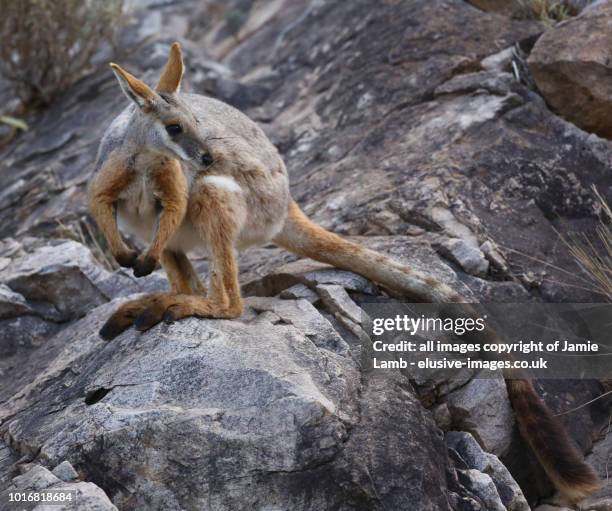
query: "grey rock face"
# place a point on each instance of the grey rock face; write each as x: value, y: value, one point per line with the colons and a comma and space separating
x: 468, y: 257
x: 85, y: 496
x: 482, y: 408
x: 264, y: 409
x: 65, y: 471
x: 482, y: 486
x: 474, y: 457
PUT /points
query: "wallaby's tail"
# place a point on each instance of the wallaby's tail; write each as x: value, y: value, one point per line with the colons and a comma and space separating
x: 551, y: 444
x: 302, y: 236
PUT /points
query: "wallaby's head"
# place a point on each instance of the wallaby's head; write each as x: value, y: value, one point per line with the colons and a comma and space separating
x: 163, y: 122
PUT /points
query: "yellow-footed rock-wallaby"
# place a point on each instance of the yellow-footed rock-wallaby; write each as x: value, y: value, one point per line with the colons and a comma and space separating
x: 183, y: 171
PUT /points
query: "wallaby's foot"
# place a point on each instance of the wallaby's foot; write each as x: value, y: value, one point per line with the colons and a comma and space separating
x: 126, y: 259
x: 171, y: 308
x: 125, y: 316
x: 154, y: 313
x: 144, y: 265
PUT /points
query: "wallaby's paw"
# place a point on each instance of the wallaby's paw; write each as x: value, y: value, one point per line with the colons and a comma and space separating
x: 179, y: 311
x: 127, y: 259
x: 153, y: 314
x: 144, y: 265
x: 125, y: 316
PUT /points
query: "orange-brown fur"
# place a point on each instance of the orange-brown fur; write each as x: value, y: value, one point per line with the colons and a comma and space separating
x: 171, y: 189
x: 111, y: 180
x: 104, y: 190
x: 182, y: 276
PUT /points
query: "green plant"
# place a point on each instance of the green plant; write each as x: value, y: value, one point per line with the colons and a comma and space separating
x: 46, y: 45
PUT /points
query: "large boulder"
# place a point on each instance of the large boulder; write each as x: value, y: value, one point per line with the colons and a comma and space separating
x: 572, y: 67
x: 78, y: 495
x: 269, y: 411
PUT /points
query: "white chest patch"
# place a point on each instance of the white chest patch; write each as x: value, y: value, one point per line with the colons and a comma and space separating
x: 225, y: 182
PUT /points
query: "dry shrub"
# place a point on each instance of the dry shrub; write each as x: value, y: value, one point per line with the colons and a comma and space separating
x: 552, y: 11
x: 46, y: 45
x: 595, y: 256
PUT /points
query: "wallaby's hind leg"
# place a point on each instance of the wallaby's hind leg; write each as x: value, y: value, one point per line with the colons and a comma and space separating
x: 171, y: 190
x: 114, y: 177
x: 214, y: 213
x: 182, y: 276
x: 126, y: 314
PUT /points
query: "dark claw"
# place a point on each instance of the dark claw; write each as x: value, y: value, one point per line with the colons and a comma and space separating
x: 168, y: 317
x: 110, y: 330
x: 148, y: 319
x: 127, y: 259
x: 144, y: 266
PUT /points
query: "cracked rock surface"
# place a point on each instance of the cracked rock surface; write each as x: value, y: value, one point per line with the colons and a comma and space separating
x: 400, y: 128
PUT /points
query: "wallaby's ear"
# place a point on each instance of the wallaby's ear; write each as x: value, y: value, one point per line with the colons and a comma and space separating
x: 170, y: 80
x: 135, y: 89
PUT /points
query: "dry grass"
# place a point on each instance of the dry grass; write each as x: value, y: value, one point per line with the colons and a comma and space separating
x: 595, y: 256
x: 84, y: 232
x: 46, y: 45
x: 549, y: 11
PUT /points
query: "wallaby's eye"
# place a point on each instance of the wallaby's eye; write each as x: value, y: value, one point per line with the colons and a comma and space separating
x: 174, y: 129
x: 207, y: 159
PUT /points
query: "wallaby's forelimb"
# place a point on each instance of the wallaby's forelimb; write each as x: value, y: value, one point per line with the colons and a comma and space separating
x: 171, y: 191
x: 113, y: 178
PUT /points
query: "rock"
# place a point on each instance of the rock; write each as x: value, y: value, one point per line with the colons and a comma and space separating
x: 571, y: 65
x: 62, y: 281
x: 38, y: 478
x: 85, y: 496
x: 492, y: 254
x: 56, y: 279
x: 548, y: 507
x: 88, y: 497
x: 65, y: 471
x: 495, y: 82
x: 475, y: 458
x: 299, y: 291
x: 481, y: 485
x: 306, y: 318
x: 442, y: 416
x: 499, y: 62
x: 338, y: 301
x: 600, y: 501
x: 253, y: 405
x: 482, y: 408
x: 468, y: 257
x: 12, y: 304
x: 309, y: 273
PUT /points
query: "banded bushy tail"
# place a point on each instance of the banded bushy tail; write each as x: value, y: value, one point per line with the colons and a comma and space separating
x: 551, y: 444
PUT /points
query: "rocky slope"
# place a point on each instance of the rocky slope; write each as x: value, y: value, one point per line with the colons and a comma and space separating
x: 414, y: 126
